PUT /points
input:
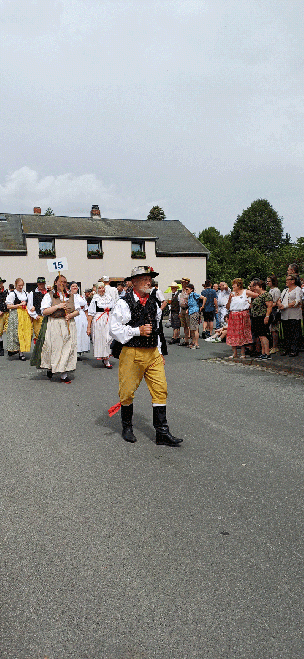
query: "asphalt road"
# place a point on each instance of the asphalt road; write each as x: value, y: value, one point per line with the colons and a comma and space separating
x: 119, y: 551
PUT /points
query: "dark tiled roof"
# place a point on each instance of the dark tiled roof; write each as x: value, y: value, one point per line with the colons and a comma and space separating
x: 11, y: 237
x: 171, y: 236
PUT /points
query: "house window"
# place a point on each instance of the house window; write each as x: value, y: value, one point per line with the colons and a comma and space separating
x: 47, y: 247
x: 94, y: 249
x: 138, y: 249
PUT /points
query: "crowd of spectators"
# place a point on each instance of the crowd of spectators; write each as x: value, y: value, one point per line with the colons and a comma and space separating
x: 258, y: 320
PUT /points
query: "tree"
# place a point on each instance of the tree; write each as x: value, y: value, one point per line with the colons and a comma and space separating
x: 156, y: 213
x: 259, y: 226
x: 220, y: 263
x: 49, y: 211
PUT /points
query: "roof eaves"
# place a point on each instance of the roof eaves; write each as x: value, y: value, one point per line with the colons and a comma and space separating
x: 86, y: 236
x: 176, y: 253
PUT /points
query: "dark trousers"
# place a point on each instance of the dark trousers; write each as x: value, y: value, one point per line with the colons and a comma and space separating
x: 292, y: 335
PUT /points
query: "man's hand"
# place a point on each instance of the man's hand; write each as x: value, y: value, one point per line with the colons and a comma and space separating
x: 145, y: 330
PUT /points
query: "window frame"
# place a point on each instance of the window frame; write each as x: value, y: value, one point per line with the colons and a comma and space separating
x: 138, y: 249
x: 46, y: 252
x: 94, y: 253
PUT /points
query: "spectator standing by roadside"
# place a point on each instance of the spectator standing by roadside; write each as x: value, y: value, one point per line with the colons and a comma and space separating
x: 175, y: 309
x: 209, y: 308
x: 162, y: 303
x: 184, y: 316
x: 216, y: 315
x: 275, y: 293
x: 260, y: 313
x: 239, y: 326
x: 293, y: 269
x: 193, y: 310
x: 222, y: 299
x: 290, y: 305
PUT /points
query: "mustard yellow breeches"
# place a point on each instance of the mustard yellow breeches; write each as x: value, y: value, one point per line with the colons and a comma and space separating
x: 3, y: 322
x: 37, y: 322
x: 136, y: 364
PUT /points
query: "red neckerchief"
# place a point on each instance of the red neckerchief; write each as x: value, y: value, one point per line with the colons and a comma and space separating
x: 142, y: 300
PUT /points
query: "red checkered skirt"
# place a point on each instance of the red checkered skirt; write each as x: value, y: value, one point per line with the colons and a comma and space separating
x: 239, y: 328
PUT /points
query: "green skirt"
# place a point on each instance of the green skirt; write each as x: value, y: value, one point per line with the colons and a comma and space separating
x: 36, y: 356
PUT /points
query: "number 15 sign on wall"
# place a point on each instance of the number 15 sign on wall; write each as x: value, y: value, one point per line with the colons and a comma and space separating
x: 57, y: 265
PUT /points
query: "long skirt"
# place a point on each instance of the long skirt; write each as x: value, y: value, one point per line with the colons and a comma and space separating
x: 101, y: 336
x: 83, y: 340
x: 239, y: 328
x: 19, y: 331
x: 59, y: 351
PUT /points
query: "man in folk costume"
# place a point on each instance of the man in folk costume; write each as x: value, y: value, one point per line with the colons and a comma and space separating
x: 34, y: 305
x: 3, y: 313
x: 134, y: 323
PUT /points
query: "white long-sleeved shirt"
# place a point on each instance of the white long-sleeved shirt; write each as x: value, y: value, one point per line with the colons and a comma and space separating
x: 30, y: 304
x: 102, y: 301
x: 21, y: 295
x: 121, y: 315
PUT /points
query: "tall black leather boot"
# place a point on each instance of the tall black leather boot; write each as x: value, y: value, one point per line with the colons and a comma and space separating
x: 126, y: 419
x: 1, y: 349
x: 163, y: 435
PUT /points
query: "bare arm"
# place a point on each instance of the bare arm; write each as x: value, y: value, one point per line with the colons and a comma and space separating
x: 49, y: 310
x: 269, y: 306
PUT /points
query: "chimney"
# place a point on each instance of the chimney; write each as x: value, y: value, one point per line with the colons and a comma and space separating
x: 95, y: 212
x: 37, y: 210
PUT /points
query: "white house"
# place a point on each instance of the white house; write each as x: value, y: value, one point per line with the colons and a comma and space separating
x: 95, y: 246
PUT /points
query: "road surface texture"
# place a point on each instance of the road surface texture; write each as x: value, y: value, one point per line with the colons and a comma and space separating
x: 118, y: 551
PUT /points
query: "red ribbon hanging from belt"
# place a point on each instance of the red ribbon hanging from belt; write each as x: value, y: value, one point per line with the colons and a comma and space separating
x: 107, y: 311
x: 114, y: 409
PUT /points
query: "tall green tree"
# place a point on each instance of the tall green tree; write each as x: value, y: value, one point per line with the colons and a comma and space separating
x: 258, y: 226
x: 156, y: 213
x: 49, y: 211
x: 219, y: 264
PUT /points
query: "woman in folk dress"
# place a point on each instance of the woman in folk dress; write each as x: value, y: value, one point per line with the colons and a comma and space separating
x: 83, y: 340
x: 239, y: 326
x: 19, y: 327
x: 59, y: 350
x: 98, y: 323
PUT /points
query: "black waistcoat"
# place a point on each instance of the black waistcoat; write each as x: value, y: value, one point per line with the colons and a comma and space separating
x: 142, y: 315
x: 17, y: 299
x: 3, y: 296
x: 37, y: 299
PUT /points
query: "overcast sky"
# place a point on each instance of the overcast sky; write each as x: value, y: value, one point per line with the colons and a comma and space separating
x: 193, y: 105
